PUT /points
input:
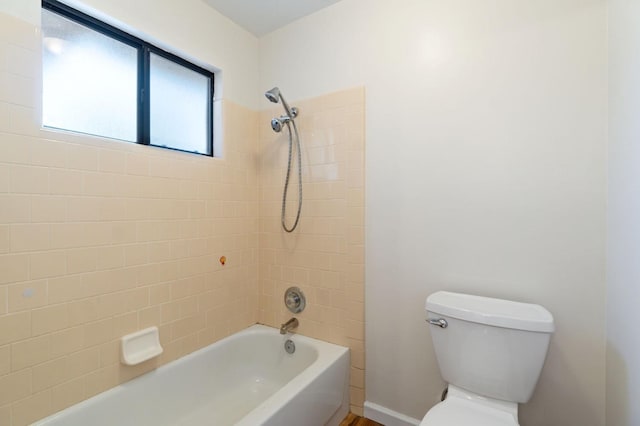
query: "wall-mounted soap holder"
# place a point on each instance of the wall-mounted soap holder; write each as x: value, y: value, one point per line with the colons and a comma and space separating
x: 140, y: 346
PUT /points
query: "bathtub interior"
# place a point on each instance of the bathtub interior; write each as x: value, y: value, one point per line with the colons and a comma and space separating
x: 263, y: 358
x: 258, y: 368
x: 208, y: 387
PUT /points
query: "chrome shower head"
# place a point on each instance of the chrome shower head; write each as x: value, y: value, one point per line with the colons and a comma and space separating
x: 273, y: 95
x: 278, y: 123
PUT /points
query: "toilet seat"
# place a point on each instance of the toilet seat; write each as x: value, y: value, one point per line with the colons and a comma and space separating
x: 462, y: 408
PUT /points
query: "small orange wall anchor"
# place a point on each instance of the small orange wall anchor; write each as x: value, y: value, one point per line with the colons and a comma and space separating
x: 223, y: 260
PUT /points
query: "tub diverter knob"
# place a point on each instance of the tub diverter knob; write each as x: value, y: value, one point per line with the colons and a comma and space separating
x: 294, y: 300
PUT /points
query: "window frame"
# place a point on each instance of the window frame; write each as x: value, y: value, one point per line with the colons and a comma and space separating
x: 144, y: 49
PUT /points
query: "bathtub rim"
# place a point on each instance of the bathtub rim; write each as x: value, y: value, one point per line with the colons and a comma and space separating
x: 328, y: 355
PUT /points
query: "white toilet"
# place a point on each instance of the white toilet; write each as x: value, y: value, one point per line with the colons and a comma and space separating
x: 490, y: 352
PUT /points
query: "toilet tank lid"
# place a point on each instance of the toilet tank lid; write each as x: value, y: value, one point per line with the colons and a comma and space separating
x: 490, y: 311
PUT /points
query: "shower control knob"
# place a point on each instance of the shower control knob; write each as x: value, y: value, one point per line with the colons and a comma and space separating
x: 294, y: 300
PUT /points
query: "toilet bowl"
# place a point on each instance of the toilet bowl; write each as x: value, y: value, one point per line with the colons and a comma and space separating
x: 490, y: 352
x: 462, y: 408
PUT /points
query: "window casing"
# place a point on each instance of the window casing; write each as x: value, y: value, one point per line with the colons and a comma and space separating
x: 100, y: 80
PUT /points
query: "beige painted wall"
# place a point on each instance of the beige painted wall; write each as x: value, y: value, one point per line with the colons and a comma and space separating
x: 623, y: 273
x: 325, y: 255
x: 485, y: 171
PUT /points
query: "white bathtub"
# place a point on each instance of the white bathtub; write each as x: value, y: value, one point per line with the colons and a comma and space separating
x: 246, y: 379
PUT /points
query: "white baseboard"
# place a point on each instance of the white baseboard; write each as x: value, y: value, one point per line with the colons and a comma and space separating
x: 386, y: 416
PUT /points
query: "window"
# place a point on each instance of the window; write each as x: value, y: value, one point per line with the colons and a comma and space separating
x: 102, y: 81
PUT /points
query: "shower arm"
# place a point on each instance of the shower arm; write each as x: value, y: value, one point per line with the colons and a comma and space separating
x: 291, y: 112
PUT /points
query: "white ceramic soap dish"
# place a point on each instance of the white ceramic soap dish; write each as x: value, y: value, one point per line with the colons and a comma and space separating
x: 140, y: 346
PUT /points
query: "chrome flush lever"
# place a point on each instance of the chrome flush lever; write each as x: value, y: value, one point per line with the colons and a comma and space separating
x: 440, y: 322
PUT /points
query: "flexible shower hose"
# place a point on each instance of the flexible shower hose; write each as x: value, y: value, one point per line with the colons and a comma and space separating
x: 286, y: 181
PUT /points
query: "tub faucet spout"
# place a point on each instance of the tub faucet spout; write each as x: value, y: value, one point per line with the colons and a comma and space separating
x: 289, y: 325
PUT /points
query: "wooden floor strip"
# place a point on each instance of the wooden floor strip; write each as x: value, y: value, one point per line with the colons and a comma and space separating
x: 353, y: 420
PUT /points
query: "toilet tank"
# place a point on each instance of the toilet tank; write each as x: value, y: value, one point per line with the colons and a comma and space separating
x: 492, y: 347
